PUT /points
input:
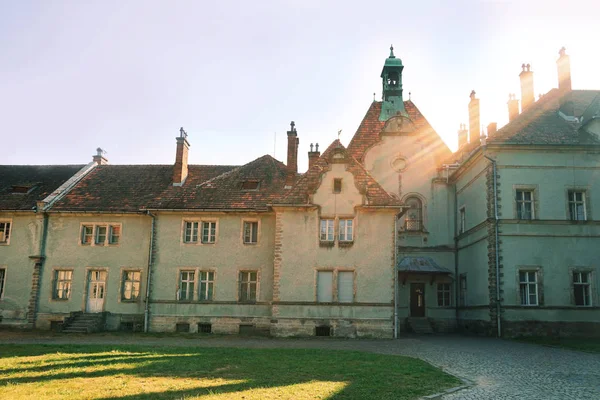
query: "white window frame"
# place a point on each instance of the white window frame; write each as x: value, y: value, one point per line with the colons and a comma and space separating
x: 132, y: 284
x: 192, y: 238
x: 573, y: 202
x: 211, y: 237
x: 6, y: 227
x: 208, y: 293
x: 94, y: 235
x: 579, y: 283
x: 329, y: 230
x: 248, y: 283
x: 346, y: 230
x: 65, y: 282
x: 444, y: 291
x: 526, y: 285
x: 181, y: 282
x: 3, y: 272
x: 112, y: 235
x: 521, y: 203
x: 250, y: 222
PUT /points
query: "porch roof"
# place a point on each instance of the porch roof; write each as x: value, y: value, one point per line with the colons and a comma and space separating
x: 421, y: 265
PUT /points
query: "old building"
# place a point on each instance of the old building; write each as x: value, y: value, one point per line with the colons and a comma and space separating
x: 390, y: 234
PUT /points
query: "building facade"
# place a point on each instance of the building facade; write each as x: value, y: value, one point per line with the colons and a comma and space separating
x: 390, y: 234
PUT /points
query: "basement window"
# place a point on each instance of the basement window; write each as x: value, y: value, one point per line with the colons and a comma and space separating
x: 182, y: 328
x: 250, y: 185
x: 204, y: 328
x: 323, y: 331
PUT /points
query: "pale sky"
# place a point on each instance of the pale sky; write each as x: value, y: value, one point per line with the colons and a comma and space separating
x: 125, y: 75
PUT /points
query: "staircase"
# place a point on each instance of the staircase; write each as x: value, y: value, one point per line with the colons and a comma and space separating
x: 420, y: 325
x: 79, y: 322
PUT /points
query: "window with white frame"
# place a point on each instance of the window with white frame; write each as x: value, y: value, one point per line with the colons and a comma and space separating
x: 444, y: 295
x: 130, y: 290
x: 100, y: 234
x: 462, y: 283
x: 4, y: 232
x: 326, y: 230
x: 462, y: 220
x: 250, y: 232
x: 524, y: 199
x: 186, y: 285
x: 62, y: 284
x: 582, y: 284
x: 577, y: 211
x: 209, y: 231
x: 2, y: 281
x: 528, y: 287
x: 414, y: 216
x: 190, y: 231
x: 207, y: 282
x: 346, y: 231
x: 248, y: 282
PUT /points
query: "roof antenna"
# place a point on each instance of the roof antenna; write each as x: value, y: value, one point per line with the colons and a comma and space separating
x: 182, y: 133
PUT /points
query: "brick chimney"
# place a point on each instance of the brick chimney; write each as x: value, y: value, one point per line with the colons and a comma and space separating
x: 463, y: 135
x: 474, y: 125
x: 492, y: 128
x: 527, y: 95
x: 180, y: 170
x: 563, y: 65
x: 99, y: 157
x: 313, y: 156
x: 292, y: 156
x: 513, y: 107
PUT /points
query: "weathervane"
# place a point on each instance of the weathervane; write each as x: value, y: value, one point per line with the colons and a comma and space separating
x: 339, y: 133
x: 182, y: 133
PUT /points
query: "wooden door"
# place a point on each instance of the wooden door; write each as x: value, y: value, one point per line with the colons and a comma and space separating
x: 96, y: 291
x: 417, y: 299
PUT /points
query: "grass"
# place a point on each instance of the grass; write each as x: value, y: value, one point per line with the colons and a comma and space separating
x: 589, y: 345
x: 141, y: 372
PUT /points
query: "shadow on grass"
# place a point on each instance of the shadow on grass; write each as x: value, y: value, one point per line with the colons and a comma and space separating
x: 363, y: 375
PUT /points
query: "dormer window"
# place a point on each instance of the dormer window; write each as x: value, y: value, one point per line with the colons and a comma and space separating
x: 250, y: 185
x: 22, y: 189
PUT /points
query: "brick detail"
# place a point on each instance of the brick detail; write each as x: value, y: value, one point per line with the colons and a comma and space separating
x: 292, y: 157
x: 491, y: 238
x: 277, y: 261
x: 180, y: 170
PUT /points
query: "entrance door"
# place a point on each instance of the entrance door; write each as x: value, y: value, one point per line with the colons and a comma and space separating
x: 96, y: 291
x: 417, y: 299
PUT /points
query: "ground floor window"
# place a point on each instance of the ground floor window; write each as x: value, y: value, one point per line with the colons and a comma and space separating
x: 335, y: 286
x: 444, y: 295
x: 248, y: 285
x: 528, y: 285
x: 207, y: 281
x: 131, y: 285
x: 62, y: 284
x: 582, y: 288
x: 186, y: 285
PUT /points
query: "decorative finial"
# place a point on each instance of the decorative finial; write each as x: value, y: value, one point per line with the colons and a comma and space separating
x: 339, y: 133
x: 392, y: 51
x: 182, y: 133
x: 292, y: 126
x: 409, y: 94
x: 317, y: 147
x: 311, y: 147
x: 373, y: 96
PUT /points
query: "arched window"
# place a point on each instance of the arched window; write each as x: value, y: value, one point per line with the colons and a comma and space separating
x: 393, y: 78
x: 413, y: 220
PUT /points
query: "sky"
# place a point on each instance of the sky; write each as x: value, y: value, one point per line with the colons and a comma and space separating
x: 126, y: 75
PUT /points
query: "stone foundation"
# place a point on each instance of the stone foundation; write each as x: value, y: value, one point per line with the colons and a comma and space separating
x: 219, y: 325
x: 476, y: 327
x: 347, y: 328
x: 512, y: 329
x: 114, y: 322
x: 443, y: 325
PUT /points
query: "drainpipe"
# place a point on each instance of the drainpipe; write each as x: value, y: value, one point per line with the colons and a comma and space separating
x: 456, y: 276
x: 494, y: 169
x: 150, y: 250
x: 395, y: 277
x: 42, y: 255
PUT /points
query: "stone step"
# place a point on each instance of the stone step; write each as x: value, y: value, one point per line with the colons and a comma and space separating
x: 420, y: 325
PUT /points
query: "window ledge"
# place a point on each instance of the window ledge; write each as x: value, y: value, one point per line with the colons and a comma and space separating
x: 345, y: 243
x: 60, y: 299
x: 326, y: 243
x: 251, y: 243
x: 130, y: 301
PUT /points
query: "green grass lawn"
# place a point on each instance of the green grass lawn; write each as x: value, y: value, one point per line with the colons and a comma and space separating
x: 136, y: 372
x: 588, y: 345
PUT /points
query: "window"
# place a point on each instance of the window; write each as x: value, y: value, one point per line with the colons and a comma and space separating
x: 250, y: 232
x: 62, y: 284
x: 250, y: 185
x: 414, y: 215
x: 207, y: 281
x: 463, y: 289
x: 4, y: 232
x: 337, y: 185
x: 528, y: 288
x: 2, y: 280
x: 345, y: 286
x: 462, y: 220
x: 131, y: 285
x: 524, y: 204
x: 190, y: 232
x: 100, y: 234
x: 325, y: 286
x: 346, y: 230
x: 186, y: 285
x: 581, y: 288
x: 248, y: 284
x: 444, y: 295
x: 577, y: 211
x: 326, y: 232
x: 209, y: 231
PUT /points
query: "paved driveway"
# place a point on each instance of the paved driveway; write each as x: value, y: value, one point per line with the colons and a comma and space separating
x: 499, y: 369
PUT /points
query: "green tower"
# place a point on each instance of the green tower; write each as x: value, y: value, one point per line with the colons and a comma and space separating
x: 391, y: 77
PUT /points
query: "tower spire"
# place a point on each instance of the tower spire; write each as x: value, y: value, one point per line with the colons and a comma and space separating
x: 391, y: 76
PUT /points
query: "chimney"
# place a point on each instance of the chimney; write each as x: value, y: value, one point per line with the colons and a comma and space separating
x: 180, y: 170
x: 492, y: 128
x: 474, y: 116
x: 527, y: 95
x: 99, y: 157
x: 313, y: 156
x: 563, y: 65
x: 513, y: 107
x: 463, y: 135
x: 292, y: 156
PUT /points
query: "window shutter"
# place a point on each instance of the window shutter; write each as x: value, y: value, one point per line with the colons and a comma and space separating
x: 345, y: 286
x: 325, y: 286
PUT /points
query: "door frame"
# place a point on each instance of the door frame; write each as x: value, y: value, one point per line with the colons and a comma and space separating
x: 86, y: 289
x: 410, y: 299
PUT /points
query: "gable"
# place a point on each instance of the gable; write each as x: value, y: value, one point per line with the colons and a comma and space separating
x: 341, y: 203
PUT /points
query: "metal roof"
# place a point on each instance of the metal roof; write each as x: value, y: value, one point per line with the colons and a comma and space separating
x: 421, y: 265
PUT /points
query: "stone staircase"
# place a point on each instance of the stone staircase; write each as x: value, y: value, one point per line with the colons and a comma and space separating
x: 420, y: 325
x: 79, y: 322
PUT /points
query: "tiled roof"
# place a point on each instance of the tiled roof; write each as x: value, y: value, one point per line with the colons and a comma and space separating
x: 43, y: 179
x: 541, y: 123
x: 310, y: 181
